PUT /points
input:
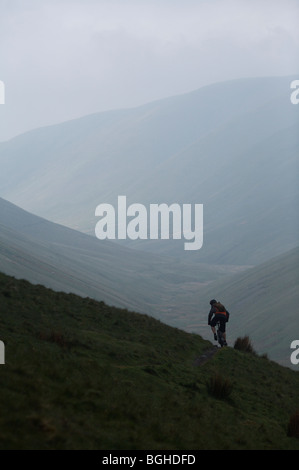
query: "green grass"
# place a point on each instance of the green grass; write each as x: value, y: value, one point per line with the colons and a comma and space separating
x: 82, y: 375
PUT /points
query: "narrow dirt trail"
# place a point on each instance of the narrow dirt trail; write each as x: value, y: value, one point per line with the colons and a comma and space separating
x: 206, y: 356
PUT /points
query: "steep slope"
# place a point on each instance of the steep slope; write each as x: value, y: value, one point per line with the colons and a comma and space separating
x: 263, y: 304
x: 232, y: 146
x: 82, y: 375
x: 247, y: 180
x: 66, y: 260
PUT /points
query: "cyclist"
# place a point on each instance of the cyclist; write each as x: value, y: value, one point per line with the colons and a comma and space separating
x: 218, y: 313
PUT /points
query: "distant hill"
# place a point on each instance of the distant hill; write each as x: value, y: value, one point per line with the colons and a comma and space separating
x: 263, y: 304
x: 82, y: 375
x: 232, y: 146
x: 66, y: 260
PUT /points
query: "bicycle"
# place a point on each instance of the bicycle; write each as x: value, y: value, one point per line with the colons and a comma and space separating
x: 220, y: 337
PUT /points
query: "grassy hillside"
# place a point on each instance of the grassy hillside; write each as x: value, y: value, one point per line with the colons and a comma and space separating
x: 82, y: 375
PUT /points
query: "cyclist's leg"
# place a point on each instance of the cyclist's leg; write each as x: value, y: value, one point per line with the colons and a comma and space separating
x: 223, y: 330
x: 213, y: 325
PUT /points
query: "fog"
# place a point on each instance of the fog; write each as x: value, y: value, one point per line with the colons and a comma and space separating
x: 60, y: 60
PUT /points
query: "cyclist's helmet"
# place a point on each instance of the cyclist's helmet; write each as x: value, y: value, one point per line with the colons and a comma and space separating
x: 213, y: 301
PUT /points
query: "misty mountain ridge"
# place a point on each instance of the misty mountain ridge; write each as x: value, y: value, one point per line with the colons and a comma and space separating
x: 231, y: 146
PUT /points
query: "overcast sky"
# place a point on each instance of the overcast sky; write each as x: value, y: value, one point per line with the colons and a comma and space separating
x: 62, y: 59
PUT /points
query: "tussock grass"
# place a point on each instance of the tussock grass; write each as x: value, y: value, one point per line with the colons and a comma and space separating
x: 219, y: 387
x: 244, y: 344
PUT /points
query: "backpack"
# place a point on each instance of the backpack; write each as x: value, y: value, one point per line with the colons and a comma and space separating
x: 220, y: 308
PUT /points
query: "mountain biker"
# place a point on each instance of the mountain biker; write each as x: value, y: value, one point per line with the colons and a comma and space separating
x: 218, y: 313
